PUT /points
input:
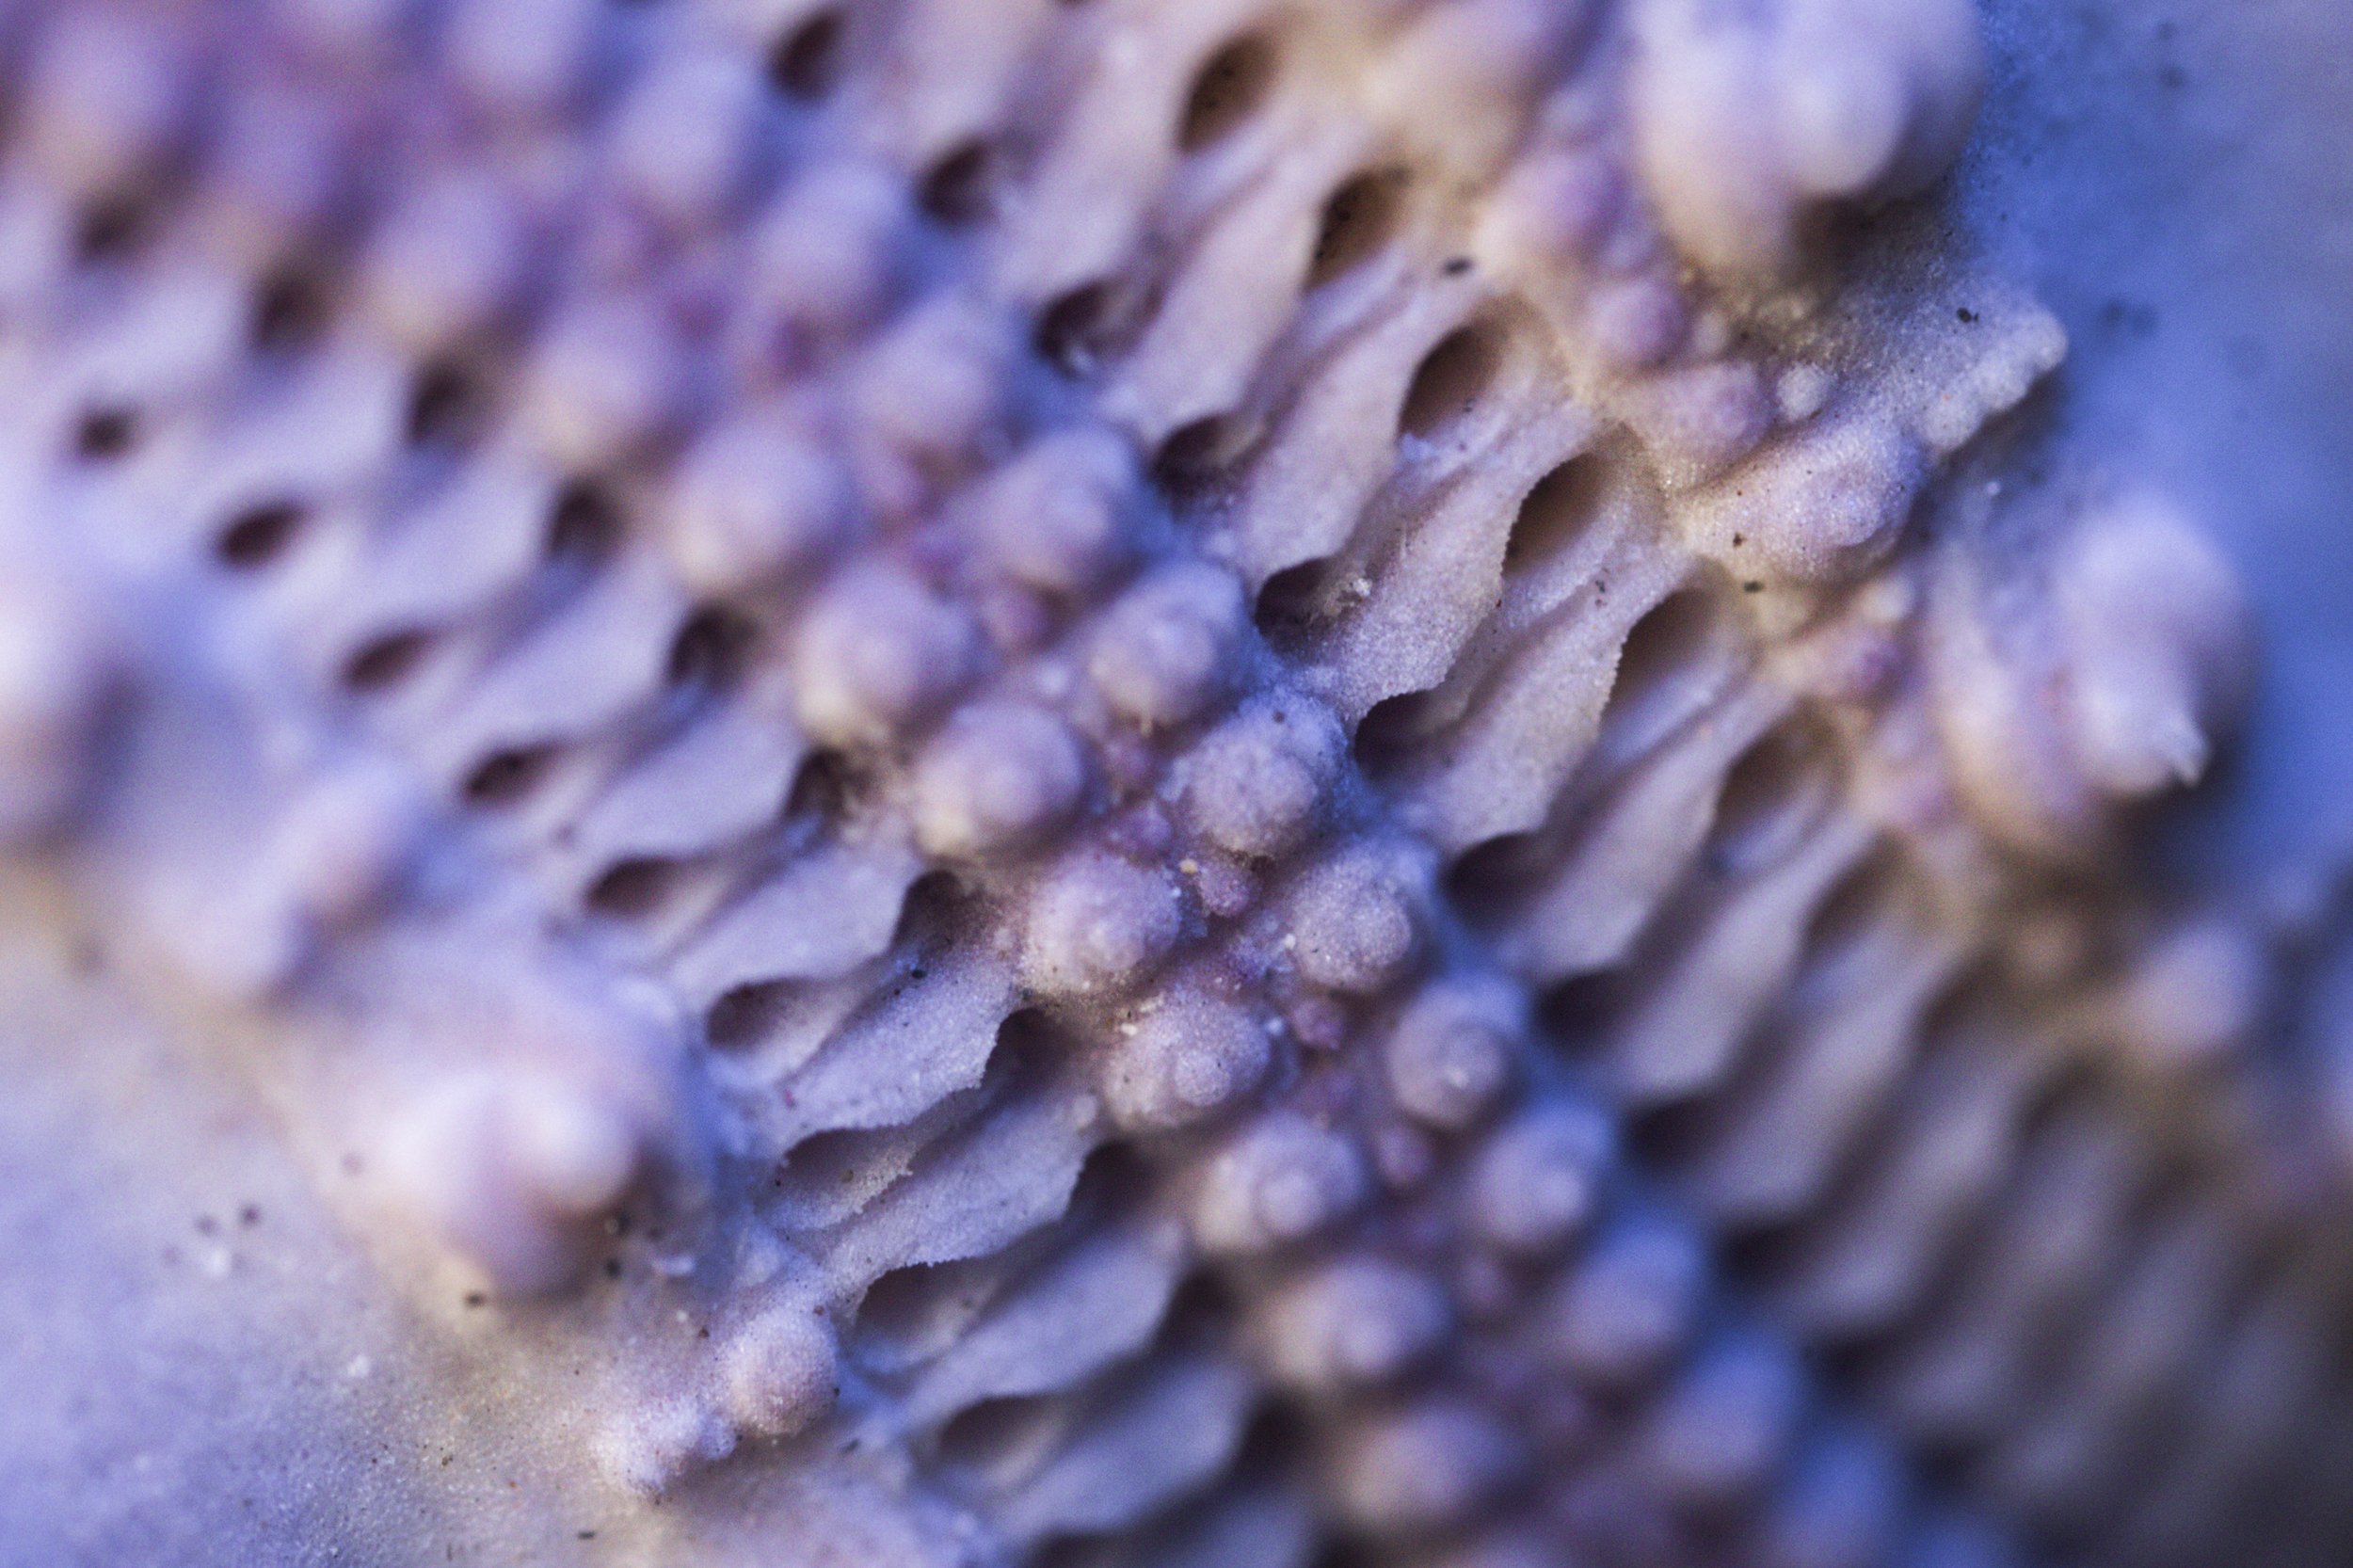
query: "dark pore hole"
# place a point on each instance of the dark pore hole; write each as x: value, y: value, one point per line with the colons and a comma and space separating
x: 1196, y: 456
x: 289, y: 311
x: 109, y: 228
x: 1665, y: 672
x: 901, y: 1306
x: 445, y: 405
x: 993, y: 1432
x: 1555, y: 513
x: 105, y: 433
x: 504, y: 777
x: 1230, y: 89
x: 806, y: 64
x: 1859, y: 908
x: 1764, y: 1255
x: 826, y: 790
x: 708, y: 653
x: 937, y: 909
x: 1295, y: 601
x: 383, y: 662
x: 1347, y: 1554
x: 259, y: 534
x: 913, y: 1313
x: 1580, y: 1011
x: 1769, y: 798
x: 1029, y: 1050
x: 743, y: 1015
x: 1358, y: 219
x: 631, y: 890
x: 1073, y: 1551
x: 1490, y: 875
x: 1389, y: 734
x: 584, y: 526
x: 1674, y: 1136
x: 1076, y: 332
x: 1202, y: 1309
x: 1451, y: 378
x: 1116, y: 1177
x: 961, y: 188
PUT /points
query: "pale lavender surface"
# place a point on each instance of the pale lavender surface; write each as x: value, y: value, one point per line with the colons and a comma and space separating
x: 2214, y: 213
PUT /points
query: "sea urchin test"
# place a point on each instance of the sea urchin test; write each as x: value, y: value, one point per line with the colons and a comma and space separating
x: 1119, y: 784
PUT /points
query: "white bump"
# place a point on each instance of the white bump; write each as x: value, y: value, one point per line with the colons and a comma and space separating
x: 1098, y: 922
x: 1425, y: 1469
x: 1624, y: 1310
x: 2195, y: 994
x: 526, y: 57
x: 279, y: 167
x: 936, y: 383
x: 1744, y: 118
x: 1449, y: 1057
x: 1497, y: 54
x: 2099, y: 673
x: 504, y: 1164
x: 446, y: 262
x: 573, y: 1151
x: 822, y: 260
x: 1828, y: 504
x: 105, y: 100
x: 1283, y: 1180
x: 680, y: 141
x: 1185, y: 1058
x: 1557, y: 206
x: 1359, y: 1321
x: 1159, y: 654
x: 757, y: 498
x: 1537, y: 1180
x: 1637, y: 322
x: 2158, y: 646
x: 1726, y: 1423
x: 1255, y: 784
x: 778, y: 1372
x: 343, y: 842
x: 1053, y: 520
x: 997, y: 777
x: 1353, y: 921
x: 605, y: 379
x: 653, y: 1441
x: 878, y: 654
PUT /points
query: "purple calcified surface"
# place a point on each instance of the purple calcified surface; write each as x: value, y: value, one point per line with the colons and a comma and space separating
x: 1167, y: 784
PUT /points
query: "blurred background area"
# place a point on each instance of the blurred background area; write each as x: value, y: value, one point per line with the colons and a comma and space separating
x: 2175, y: 179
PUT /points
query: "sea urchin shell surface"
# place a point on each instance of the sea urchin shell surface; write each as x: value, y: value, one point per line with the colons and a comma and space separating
x: 1123, y: 784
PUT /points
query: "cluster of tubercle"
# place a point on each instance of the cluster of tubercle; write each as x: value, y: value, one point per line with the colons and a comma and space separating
x: 972, y: 687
